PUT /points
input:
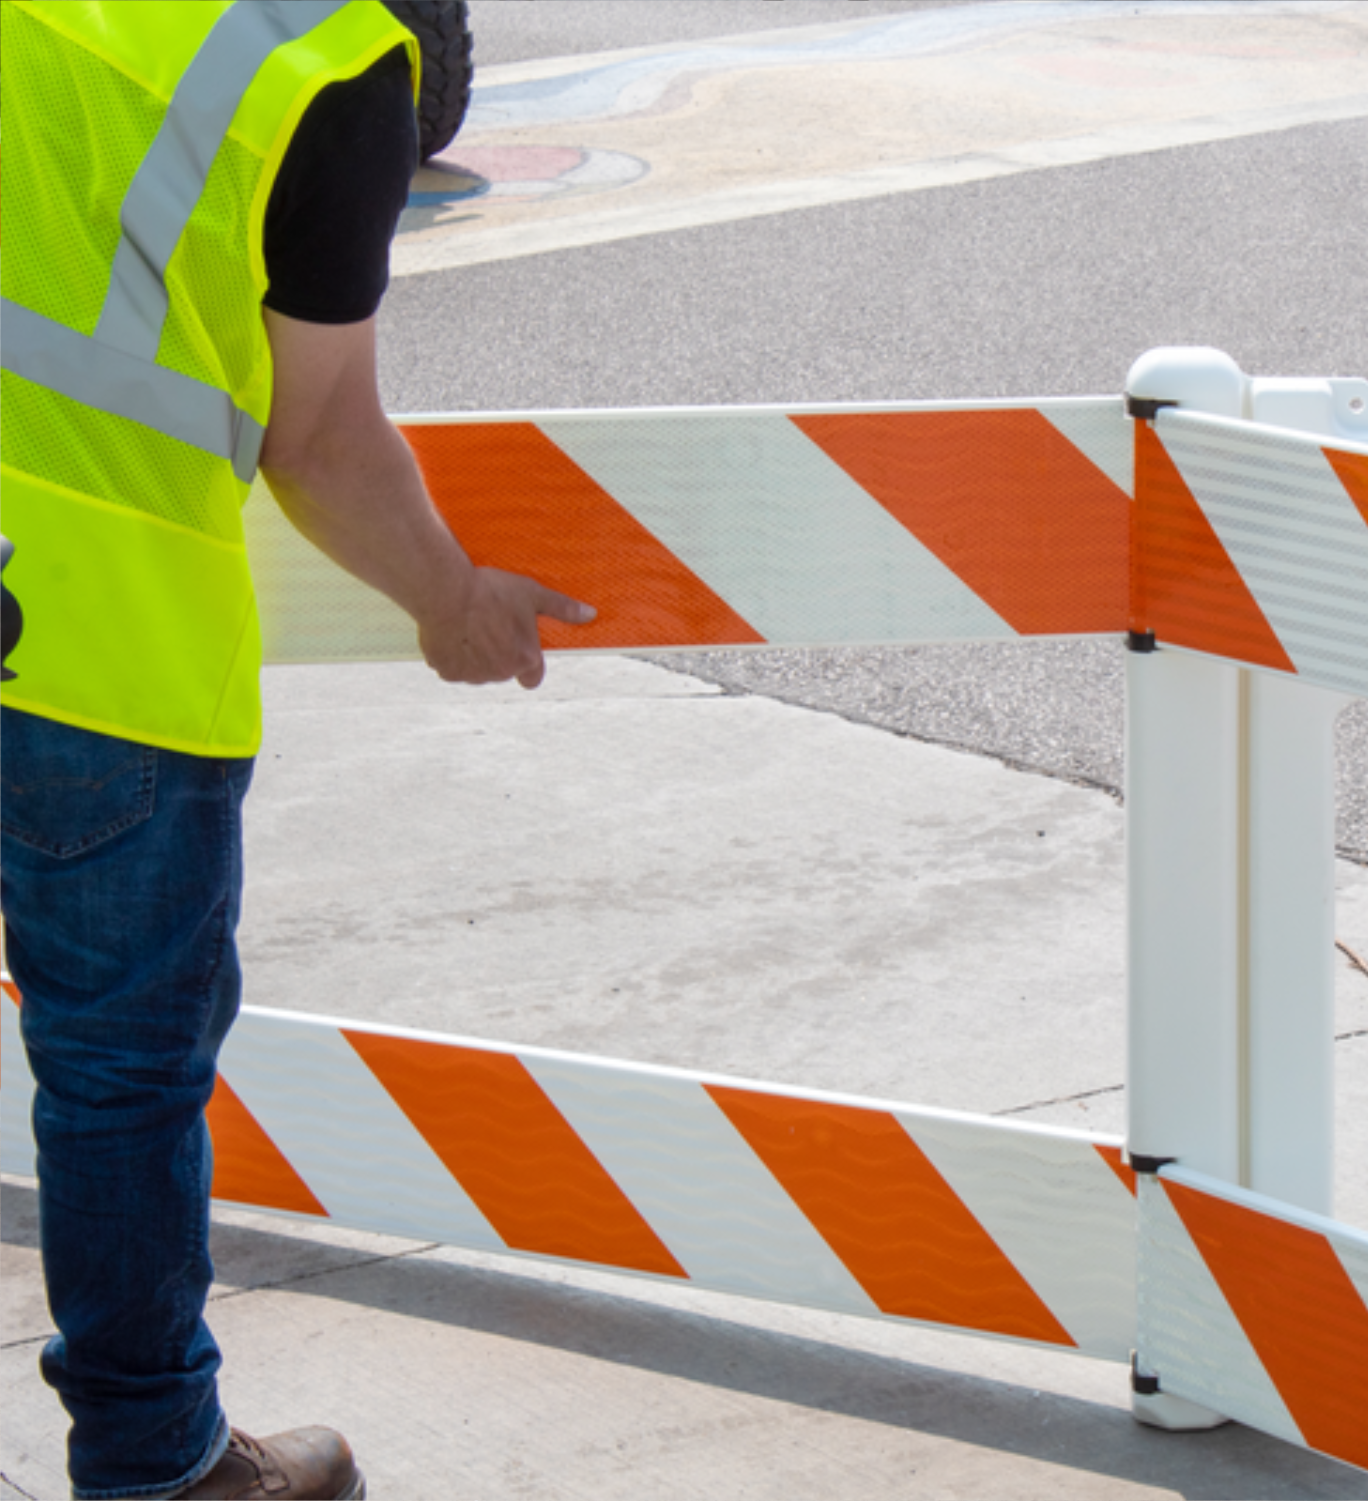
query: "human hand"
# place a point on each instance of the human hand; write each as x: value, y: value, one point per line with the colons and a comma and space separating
x: 488, y: 633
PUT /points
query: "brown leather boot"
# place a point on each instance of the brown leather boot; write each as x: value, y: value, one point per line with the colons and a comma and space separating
x: 313, y: 1463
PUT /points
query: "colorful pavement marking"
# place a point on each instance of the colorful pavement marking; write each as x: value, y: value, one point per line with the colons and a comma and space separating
x: 579, y: 151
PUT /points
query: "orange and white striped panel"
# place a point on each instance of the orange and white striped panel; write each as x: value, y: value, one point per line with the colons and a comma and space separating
x: 1010, y: 1230
x: 1252, y: 544
x: 738, y: 526
x: 1257, y: 1310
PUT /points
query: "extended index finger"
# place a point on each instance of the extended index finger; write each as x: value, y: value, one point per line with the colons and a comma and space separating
x: 562, y: 607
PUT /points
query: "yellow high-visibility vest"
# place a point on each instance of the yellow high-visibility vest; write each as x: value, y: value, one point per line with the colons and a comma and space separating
x: 140, y: 146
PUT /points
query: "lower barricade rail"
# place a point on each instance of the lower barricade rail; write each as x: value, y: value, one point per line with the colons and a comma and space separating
x: 1015, y: 1230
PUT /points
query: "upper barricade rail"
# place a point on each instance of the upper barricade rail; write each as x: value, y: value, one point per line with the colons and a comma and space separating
x: 1251, y: 544
x: 814, y: 526
x: 893, y: 523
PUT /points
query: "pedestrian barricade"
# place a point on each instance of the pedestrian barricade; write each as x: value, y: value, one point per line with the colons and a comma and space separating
x: 1215, y: 523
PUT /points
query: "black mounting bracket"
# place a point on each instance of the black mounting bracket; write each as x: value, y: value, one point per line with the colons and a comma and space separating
x: 1145, y: 408
x: 1142, y: 1386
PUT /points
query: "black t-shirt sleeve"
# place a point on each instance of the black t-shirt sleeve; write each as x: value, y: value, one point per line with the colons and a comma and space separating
x: 338, y: 195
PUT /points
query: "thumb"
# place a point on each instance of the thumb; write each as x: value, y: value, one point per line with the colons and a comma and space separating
x: 561, y: 607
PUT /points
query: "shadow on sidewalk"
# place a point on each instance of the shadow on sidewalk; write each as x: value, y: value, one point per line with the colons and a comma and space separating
x: 1226, y: 1464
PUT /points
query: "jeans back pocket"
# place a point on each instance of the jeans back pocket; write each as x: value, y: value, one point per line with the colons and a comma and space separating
x: 66, y: 790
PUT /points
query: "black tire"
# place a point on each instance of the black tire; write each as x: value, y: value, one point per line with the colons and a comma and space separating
x: 443, y: 31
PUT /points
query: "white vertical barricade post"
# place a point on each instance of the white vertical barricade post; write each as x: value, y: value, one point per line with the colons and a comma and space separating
x: 1183, y: 824
x: 1230, y: 867
x: 1291, y: 913
x: 1289, y: 1111
x: 1182, y: 872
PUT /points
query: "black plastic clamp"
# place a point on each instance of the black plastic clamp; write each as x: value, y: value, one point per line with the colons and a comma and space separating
x: 1140, y: 641
x: 1142, y: 1386
x: 1145, y: 408
x: 1142, y: 1164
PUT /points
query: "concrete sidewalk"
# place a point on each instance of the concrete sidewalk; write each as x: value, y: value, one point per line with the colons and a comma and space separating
x: 632, y: 863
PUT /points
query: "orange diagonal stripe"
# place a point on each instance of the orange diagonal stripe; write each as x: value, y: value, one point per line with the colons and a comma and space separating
x: 1188, y: 592
x: 1300, y: 1311
x: 248, y: 1166
x: 1352, y: 469
x: 516, y: 501
x: 514, y: 1153
x: 1004, y: 500
x: 894, y: 1221
x: 1114, y: 1160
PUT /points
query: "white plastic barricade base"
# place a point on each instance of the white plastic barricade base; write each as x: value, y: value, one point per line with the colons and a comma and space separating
x: 1158, y: 1409
x: 1016, y: 1231
x: 1257, y: 1309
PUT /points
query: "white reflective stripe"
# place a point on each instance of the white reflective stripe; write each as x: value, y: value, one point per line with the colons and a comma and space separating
x: 1188, y: 1336
x: 97, y: 375
x: 1353, y: 1257
x: 311, y: 611
x: 1296, y: 537
x: 340, y: 1130
x: 16, y: 1095
x: 1099, y: 428
x: 171, y: 177
x: 1058, y: 1213
x: 698, y: 1184
x: 775, y: 527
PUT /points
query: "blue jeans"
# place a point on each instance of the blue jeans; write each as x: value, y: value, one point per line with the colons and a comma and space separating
x: 122, y: 886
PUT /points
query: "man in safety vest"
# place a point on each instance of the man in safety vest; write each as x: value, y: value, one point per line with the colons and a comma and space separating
x: 198, y: 204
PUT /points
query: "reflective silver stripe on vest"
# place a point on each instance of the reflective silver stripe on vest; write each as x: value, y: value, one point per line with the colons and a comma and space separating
x: 171, y: 177
x: 115, y: 369
x: 60, y: 359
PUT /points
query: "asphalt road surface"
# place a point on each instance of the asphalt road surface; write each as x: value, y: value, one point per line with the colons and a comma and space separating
x: 1042, y: 282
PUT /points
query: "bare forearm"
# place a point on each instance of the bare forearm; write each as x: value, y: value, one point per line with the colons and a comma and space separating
x: 347, y: 480
x: 357, y: 495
